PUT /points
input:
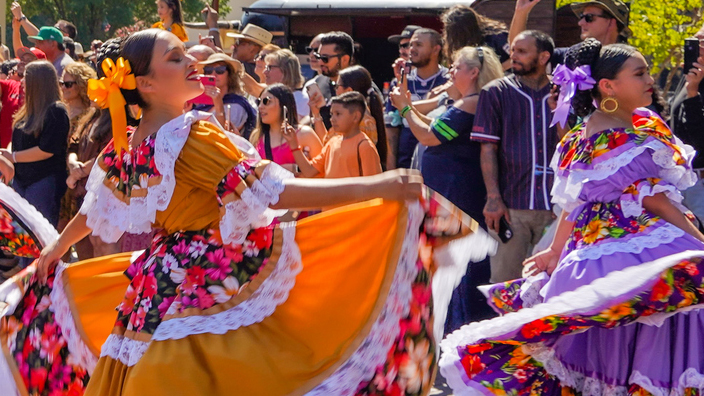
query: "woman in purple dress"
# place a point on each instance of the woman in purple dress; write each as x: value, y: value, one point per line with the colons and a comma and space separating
x: 620, y: 313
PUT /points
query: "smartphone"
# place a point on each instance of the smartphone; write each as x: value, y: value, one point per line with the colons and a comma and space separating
x: 505, y: 231
x: 407, y: 66
x: 204, y: 99
x: 286, y: 115
x: 314, y: 88
x: 403, y: 76
x: 691, y: 53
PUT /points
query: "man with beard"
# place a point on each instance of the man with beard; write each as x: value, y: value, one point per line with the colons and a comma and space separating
x: 334, y: 54
x: 604, y: 20
x: 425, y: 56
x: 512, y: 124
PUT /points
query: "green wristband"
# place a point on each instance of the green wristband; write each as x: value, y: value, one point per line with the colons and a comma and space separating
x: 405, y: 111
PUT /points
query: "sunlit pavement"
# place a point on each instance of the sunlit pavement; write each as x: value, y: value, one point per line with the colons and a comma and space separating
x: 440, y: 388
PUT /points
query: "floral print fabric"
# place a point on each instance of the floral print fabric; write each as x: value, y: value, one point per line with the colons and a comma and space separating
x: 189, y: 270
x: 505, y: 366
x: 14, y: 238
x: 131, y: 173
x: 37, y: 344
x: 409, y: 367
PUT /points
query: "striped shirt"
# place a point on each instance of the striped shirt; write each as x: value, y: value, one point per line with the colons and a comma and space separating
x: 517, y: 118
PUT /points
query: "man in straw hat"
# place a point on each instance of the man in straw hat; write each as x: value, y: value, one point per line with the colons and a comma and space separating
x: 604, y: 20
x: 248, y: 43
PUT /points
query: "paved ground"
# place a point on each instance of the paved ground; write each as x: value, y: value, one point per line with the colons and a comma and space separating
x: 440, y: 388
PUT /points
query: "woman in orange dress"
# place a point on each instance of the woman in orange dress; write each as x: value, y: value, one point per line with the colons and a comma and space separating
x: 222, y: 302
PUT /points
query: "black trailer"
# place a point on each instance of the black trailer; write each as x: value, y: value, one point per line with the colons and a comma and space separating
x: 370, y: 22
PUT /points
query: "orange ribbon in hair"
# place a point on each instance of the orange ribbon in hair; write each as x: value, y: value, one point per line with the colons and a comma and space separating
x: 106, y: 94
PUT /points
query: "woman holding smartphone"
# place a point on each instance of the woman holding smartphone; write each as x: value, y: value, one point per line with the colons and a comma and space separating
x: 277, y: 106
x: 230, y: 107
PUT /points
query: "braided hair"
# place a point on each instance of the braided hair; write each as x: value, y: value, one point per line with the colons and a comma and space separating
x: 111, y: 49
x: 605, y: 63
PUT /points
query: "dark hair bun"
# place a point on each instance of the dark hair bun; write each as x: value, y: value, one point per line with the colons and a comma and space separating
x: 585, y: 53
x: 110, y: 49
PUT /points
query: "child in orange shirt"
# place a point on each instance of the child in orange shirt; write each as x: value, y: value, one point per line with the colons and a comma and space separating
x: 349, y: 153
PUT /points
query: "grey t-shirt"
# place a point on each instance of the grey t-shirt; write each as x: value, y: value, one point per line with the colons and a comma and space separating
x: 61, y: 62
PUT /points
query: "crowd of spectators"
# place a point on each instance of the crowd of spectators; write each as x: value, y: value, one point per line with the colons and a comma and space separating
x: 470, y: 106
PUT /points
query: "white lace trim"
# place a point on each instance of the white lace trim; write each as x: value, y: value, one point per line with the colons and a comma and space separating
x: 126, y: 350
x: 252, y: 210
x: 30, y: 216
x: 663, y: 235
x: 566, y: 190
x: 108, y: 216
x: 10, y: 293
x: 590, y: 386
x: 616, y: 285
x: 81, y: 353
x: 453, y: 259
x: 631, y: 208
x: 363, y: 363
x: 260, y: 305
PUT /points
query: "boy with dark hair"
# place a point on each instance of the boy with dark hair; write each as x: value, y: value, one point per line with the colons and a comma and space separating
x: 349, y: 153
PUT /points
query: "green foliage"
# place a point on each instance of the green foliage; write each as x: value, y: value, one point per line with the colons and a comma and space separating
x: 100, y: 19
x: 659, y: 28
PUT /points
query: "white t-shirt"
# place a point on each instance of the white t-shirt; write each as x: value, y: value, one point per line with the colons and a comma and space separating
x: 301, y: 103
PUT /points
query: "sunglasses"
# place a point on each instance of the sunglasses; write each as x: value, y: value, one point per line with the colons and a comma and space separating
x: 268, y: 68
x: 405, y: 45
x: 217, y: 69
x: 260, y: 57
x: 326, y: 58
x: 67, y: 84
x: 590, y: 17
x: 309, y: 49
x: 265, y: 101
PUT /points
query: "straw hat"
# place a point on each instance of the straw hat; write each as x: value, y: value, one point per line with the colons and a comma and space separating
x: 215, y: 58
x: 255, y: 34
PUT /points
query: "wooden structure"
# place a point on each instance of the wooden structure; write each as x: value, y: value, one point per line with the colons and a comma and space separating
x: 370, y: 22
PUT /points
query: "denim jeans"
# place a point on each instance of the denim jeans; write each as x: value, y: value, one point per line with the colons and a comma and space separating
x: 45, y: 195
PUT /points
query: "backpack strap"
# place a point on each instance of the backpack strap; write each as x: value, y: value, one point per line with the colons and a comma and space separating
x: 359, y: 159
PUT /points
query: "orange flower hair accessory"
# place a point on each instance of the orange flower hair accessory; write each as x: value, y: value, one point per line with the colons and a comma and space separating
x: 106, y: 94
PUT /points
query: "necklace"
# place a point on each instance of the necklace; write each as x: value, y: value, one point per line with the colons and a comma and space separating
x: 424, y: 83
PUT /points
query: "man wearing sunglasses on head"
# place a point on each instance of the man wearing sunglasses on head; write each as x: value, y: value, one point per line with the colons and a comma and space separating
x: 604, y: 20
x: 334, y: 54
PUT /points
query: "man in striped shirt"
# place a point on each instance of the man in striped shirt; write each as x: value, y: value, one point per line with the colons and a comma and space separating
x: 513, y: 125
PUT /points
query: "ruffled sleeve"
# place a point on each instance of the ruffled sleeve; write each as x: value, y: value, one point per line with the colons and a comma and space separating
x: 645, y: 159
x: 633, y: 195
x: 244, y: 196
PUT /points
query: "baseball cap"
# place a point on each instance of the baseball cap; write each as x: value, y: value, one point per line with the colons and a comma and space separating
x: 615, y: 8
x: 34, y: 52
x: 48, y: 33
x: 405, y: 34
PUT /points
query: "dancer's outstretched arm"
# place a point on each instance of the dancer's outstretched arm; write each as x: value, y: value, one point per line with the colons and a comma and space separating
x: 547, y: 260
x: 72, y: 234
x: 396, y: 185
x: 662, y: 207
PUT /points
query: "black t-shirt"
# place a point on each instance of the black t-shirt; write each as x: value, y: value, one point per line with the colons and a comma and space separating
x: 499, y: 43
x: 53, y: 139
x: 559, y: 55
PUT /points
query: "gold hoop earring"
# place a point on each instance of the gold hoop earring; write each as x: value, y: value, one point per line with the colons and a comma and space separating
x: 604, y: 103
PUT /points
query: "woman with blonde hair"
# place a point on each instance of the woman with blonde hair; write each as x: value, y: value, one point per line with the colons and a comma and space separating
x: 283, y: 67
x: 451, y: 163
x: 39, y: 141
x: 259, y: 60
